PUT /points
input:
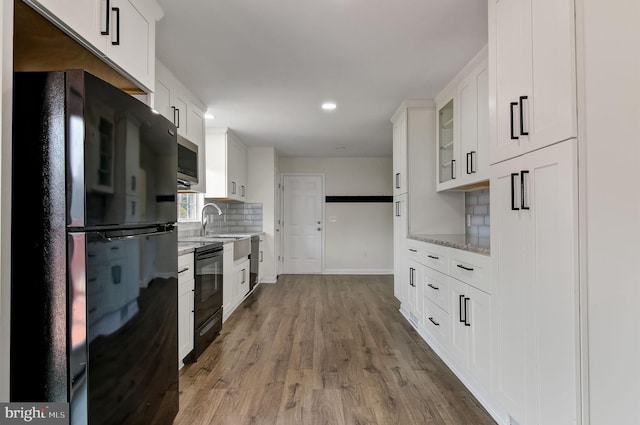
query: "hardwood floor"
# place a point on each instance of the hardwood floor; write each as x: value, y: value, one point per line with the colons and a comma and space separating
x: 323, y: 349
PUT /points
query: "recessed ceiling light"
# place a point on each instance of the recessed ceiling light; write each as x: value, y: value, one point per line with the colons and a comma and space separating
x: 328, y: 106
x: 209, y: 116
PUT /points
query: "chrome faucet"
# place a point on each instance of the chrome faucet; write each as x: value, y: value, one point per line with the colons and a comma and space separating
x: 203, y: 220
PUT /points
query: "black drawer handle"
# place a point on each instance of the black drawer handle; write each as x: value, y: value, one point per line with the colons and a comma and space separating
x: 433, y: 321
x: 433, y: 257
x: 183, y: 270
x: 522, y: 130
x: 523, y: 193
x: 413, y: 250
x: 512, y: 105
x: 472, y: 155
x: 466, y: 311
x: 469, y: 269
x: 433, y: 287
x: 106, y: 31
x: 117, y: 42
x: 513, y: 192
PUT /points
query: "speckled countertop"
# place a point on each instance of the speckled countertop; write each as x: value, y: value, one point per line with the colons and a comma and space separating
x: 476, y: 244
x: 187, y: 244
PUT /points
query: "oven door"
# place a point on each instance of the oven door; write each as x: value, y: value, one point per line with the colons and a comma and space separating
x: 208, y: 284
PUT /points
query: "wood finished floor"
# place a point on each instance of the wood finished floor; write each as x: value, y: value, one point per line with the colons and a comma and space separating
x: 323, y: 349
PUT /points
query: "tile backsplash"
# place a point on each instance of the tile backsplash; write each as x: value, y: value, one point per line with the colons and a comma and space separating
x: 477, y: 229
x: 237, y: 217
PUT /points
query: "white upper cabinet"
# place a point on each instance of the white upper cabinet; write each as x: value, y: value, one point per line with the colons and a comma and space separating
x: 473, y: 116
x: 400, y: 176
x: 447, y: 155
x: 532, y: 64
x: 180, y: 106
x: 226, y: 165
x: 463, y: 127
x: 131, y: 41
x: 122, y: 32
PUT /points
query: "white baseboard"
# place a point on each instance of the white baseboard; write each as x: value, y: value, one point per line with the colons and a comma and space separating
x: 358, y: 271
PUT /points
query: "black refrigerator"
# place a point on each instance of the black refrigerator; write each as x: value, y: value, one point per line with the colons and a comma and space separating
x: 94, y: 251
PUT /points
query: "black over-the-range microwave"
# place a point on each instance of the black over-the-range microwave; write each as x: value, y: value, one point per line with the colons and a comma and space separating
x: 187, y: 163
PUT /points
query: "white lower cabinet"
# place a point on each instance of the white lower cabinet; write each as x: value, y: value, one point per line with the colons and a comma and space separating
x: 414, y: 291
x: 534, y: 237
x: 236, y: 281
x: 471, y: 330
x: 261, y: 259
x: 451, y: 306
x: 400, y: 247
x: 186, y: 287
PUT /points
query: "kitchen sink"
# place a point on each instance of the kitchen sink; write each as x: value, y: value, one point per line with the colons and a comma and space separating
x: 241, y: 247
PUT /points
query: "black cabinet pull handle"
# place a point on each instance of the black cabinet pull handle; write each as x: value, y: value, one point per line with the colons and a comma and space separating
x: 466, y: 311
x: 468, y: 163
x: 453, y: 167
x: 469, y: 269
x: 513, y: 136
x: 522, y: 132
x: 117, y: 42
x: 413, y: 250
x: 433, y: 321
x: 397, y: 180
x: 183, y: 270
x: 433, y: 287
x: 460, y: 301
x: 178, y: 122
x: 522, y: 190
x: 433, y: 257
x: 513, y: 193
x: 108, y: 9
x: 473, y: 154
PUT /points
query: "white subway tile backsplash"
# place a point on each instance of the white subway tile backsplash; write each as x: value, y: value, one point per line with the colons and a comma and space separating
x: 477, y: 207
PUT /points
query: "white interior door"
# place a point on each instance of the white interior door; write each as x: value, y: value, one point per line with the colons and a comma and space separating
x: 278, y: 221
x: 302, y: 223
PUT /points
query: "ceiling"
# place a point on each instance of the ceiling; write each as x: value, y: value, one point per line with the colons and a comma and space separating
x: 264, y: 67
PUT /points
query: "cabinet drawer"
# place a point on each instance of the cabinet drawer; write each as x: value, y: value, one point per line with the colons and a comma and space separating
x: 436, y: 257
x: 186, y: 266
x: 415, y: 250
x: 471, y: 268
x: 436, y: 288
x: 437, y: 322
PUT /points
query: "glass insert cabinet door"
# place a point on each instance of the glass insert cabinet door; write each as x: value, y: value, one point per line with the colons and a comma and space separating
x: 446, y: 161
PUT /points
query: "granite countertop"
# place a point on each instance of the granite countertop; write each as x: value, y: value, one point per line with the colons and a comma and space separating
x: 479, y: 245
x: 187, y: 244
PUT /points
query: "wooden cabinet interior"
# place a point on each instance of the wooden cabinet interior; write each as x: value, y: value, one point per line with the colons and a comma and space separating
x: 39, y: 45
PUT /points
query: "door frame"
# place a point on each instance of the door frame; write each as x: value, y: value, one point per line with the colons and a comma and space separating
x: 322, y: 214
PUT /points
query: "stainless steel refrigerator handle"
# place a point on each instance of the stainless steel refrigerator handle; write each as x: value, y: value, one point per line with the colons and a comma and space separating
x: 114, y: 236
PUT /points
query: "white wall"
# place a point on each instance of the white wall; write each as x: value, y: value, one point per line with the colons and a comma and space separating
x: 358, y: 236
x: 261, y: 183
x: 609, y: 89
x: 6, y: 43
